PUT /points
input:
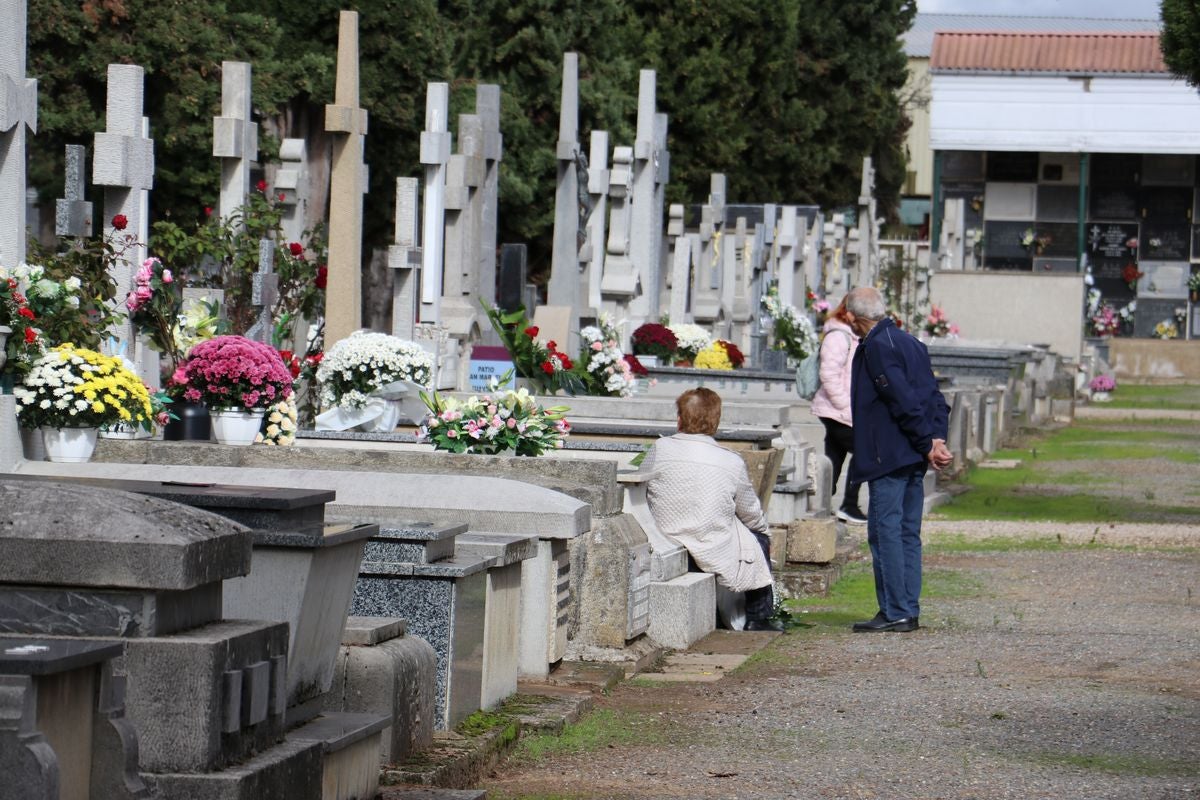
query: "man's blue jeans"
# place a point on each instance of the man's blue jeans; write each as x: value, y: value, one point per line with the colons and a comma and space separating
x: 894, y: 534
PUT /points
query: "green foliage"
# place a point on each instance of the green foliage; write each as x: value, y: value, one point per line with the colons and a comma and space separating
x: 1181, y: 38
x: 597, y: 731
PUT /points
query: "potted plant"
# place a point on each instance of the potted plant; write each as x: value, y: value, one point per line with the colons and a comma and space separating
x: 509, y: 421
x: 938, y: 325
x: 1194, y: 287
x: 601, y: 363
x: 692, y: 339
x: 654, y: 344
x: 237, y: 378
x: 71, y: 393
x: 792, y: 331
x: 715, y: 356
x: 1101, y: 386
x: 363, y: 378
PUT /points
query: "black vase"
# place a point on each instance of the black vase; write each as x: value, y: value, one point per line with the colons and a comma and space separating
x: 193, y: 423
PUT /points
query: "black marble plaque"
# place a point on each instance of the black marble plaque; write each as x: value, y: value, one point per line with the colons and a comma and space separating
x: 1151, y: 311
x: 1112, y: 286
x: 1011, y: 264
x: 1061, y: 239
x: 1171, y: 204
x: 513, y: 275
x: 1117, y: 203
x: 1115, y: 169
x: 1165, y: 242
x: 1044, y: 264
x: 1057, y: 203
x: 962, y: 165
x: 1012, y: 167
x: 1111, y: 240
x: 1003, y: 239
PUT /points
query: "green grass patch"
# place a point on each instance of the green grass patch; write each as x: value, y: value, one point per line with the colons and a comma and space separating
x: 1175, y: 397
x: 598, y: 730
x: 852, y: 598
x: 1122, y: 764
x: 948, y: 544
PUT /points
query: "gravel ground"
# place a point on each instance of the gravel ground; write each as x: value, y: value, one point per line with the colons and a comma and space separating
x: 1052, y: 674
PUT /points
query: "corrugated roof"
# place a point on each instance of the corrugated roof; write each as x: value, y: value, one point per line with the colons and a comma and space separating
x: 918, y: 41
x: 1070, y: 53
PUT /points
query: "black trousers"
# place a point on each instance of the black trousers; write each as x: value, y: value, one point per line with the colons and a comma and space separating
x: 839, y: 443
x: 760, y: 603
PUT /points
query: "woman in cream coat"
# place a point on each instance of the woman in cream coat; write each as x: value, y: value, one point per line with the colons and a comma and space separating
x: 701, y: 497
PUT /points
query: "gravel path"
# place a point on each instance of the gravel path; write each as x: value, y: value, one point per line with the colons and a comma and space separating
x: 1049, y: 674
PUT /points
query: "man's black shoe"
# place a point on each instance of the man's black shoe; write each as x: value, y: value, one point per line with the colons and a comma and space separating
x: 880, y: 624
x: 851, y: 515
x: 764, y: 625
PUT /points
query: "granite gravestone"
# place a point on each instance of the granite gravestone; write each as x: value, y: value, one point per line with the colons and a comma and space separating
x: 73, y: 214
x: 18, y: 112
x: 404, y: 259
x: 235, y: 139
x: 487, y: 108
x: 563, y: 289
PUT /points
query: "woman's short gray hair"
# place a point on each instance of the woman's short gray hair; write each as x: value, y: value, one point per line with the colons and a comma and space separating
x: 866, y: 302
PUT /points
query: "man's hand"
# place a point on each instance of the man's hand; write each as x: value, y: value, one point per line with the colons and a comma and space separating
x: 939, y: 455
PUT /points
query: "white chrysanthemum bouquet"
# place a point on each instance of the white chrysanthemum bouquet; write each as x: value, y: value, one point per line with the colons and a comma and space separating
x: 366, y: 362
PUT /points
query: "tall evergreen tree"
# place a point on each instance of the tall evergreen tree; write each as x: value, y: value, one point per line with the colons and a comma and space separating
x: 1181, y: 38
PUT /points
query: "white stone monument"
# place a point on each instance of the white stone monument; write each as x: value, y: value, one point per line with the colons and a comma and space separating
x: 348, y: 181
x: 645, y: 239
x: 461, y: 312
x: 563, y: 289
x: 596, y: 246
x: 681, y: 264
x: 619, y: 281
x: 706, y: 277
x: 18, y: 111
x: 264, y: 293
x: 72, y: 213
x: 487, y: 108
x: 435, y: 155
x: 235, y: 138
x: 291, y: 185
x: 404, y: 259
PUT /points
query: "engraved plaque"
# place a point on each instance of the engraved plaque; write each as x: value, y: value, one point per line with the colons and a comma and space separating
x: 1165, y: 242
x: 1168, y: 170
x: 1004, y: 166
x: 962, y: 165
x: 1113, y: 203
x: 1172, y: 204
x: 1003, y: 240
x: 1057, y: 203
x: 1115, y: 169
x: 1111, y: 240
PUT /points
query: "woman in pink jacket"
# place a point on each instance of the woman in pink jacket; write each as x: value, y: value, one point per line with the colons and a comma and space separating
x: 831, y: 404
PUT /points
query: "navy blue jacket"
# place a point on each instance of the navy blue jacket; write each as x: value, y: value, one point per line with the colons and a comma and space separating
x: 896, y: 406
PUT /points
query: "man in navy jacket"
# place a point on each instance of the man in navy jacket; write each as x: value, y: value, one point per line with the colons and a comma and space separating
x: 900, y: 421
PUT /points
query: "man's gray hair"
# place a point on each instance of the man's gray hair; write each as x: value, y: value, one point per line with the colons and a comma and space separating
x: 866, y: 302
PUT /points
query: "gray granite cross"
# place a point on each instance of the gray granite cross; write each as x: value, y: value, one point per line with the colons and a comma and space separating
x: 73, y: 214
x: 18, y: 111
x: 235, y: 137
x: 264, y: 292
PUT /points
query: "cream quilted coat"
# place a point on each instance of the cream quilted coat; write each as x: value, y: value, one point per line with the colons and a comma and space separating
x: 701, y: 496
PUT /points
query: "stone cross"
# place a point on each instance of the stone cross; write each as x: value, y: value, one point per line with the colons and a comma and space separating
x: 813, y: 243
x: 73, y: 214
x: 645, y: 236
x: 464, y: 176
x: 681, y: 264
x: 619, y: 282
x: 733, y: 256
x: 867, y: 265
x: 787, y: 250
x: 291, y: 184
x: 123, y: 161
x: 597, y: 186
x: 348, y: 182
x: 18, y: 111
x: 563, y: 289
x: 435, y: 155
x: 706, y: 278
x: 264, y: 293
x: 235, y: 138
x: 487, y: 108
x: 404, y: 259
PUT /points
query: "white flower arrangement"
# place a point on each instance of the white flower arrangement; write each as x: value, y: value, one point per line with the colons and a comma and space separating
x: 692, y: 339
x: 279, y: 424
x: 365, y: 362
x: 794, y: 331
x: 608, y: 372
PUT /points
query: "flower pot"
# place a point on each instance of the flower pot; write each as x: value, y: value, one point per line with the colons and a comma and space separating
x: 236, y: 426
x: 4, y: 332
x: 1193, y: 295
x: 69, y: 445
x: 1101, y: 397
x: 193, y: 423
x: 648, y: 361
x: 683, y: 362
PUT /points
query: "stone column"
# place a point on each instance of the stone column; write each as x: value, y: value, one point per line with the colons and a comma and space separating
x: 619, y: 281
x: 487, y: 108
x: 18, y: 111
x: 681, y: 264
x: 785, y: 261
x: 235, y: 138
x: 348, y: 182
x: 404, y: 259
x: 73, y: 214
x: 646, y: 226
x: 435, y: 154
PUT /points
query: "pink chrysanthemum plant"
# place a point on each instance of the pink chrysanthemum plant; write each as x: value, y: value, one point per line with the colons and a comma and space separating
x: 233, y: 372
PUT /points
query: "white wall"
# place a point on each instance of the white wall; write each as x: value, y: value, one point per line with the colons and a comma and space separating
x: 1061, y: 114
x: 1014, y: 307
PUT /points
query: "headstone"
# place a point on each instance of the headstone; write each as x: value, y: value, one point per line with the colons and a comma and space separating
x: 404, y: 259
x: 291, y: 184
x: 123, y: 161
x: 645, y: 237
x: 706, y: 292
x: 597, y: 187
x: 789, y: 244
x: 563, y: 289
x: 235, y: 138
x: 18, y: 111
x: 487, y: 108
x: 867, y: 267
x: 264, y: 293
x: 619, y: 281
x: 681, y: 264
x: 348, y: 182
x: 73, y: 214
x: 464, y: 176
x: 513, y: 259
x: 435, y: 154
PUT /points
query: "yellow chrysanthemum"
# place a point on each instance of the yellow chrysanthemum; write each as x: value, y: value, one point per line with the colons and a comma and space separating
x: 713, y: 357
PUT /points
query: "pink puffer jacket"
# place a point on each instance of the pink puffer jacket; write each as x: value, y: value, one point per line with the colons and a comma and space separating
x: 832, y: 399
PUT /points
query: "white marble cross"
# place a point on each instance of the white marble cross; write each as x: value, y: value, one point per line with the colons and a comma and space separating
x: 596, y: 245
x: 618, y: 283
x: 563, y: 289
x: 487, y: 108
x: 235, y: 138
x: 464, y: 175
x: 787, y: 250
x: 646, y: 226
x: 681, y: 264
x: 18, y: 111
x: 404, y: 259
x: 123, y: 161
x: 435, y: 155
x: 264, y: 293
x: 291, y: 183
x: 73, y: 214
x: 706, y: 277
x: 348, y: 181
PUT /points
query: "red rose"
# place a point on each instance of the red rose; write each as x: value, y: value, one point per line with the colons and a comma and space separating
x: 30, y: 336
x: 552, y: 345
x: 208, y: 211
x: 26, y: 313
x: 261, y: 186
x: 12, y: 283
x: 282, y: 197
x: 296, y: 248
x: 120, y: 221
x: 635, y: 366
x: 532, y: 331
x: 315, y: 359
x: 547, y: 368
x: 322, y: 276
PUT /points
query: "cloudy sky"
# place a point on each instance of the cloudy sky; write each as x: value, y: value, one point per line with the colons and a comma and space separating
x: 1129, y: 9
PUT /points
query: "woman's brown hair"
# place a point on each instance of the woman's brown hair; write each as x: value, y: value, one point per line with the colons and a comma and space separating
x: 699, y: 411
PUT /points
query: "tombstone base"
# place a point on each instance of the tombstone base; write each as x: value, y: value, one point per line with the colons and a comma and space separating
x: 289, y: 771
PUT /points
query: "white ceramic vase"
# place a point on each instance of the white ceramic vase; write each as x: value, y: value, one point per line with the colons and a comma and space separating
x: 69, y: 445
x: 648, y: 361
x: 236, y: 426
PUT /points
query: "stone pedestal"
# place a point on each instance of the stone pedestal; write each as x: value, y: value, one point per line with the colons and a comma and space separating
x: 545, y: 595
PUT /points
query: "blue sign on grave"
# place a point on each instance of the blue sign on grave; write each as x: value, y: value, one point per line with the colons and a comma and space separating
x: 488, y: 363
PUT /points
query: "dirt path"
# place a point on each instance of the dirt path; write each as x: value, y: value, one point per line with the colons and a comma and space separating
x: 1039, y: 674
